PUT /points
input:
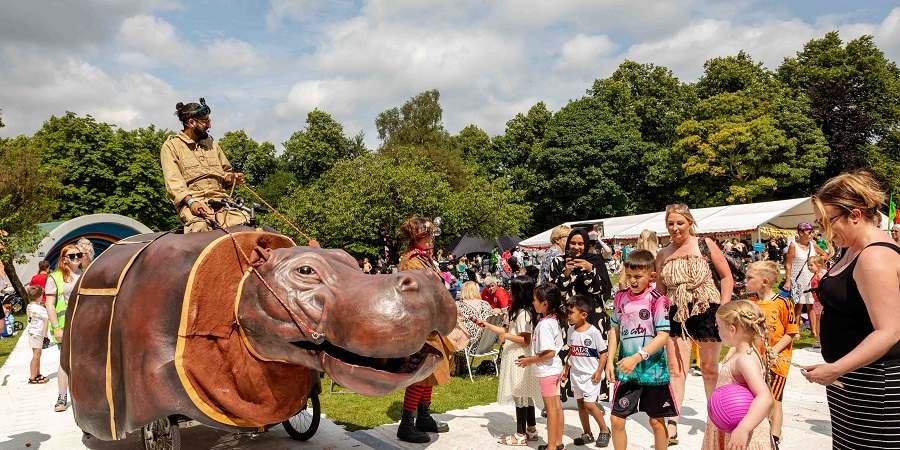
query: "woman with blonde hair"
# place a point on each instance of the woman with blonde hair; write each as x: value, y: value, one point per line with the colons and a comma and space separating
x: 648, y: 241
x: 860, y: 325
x: 60, y: 284
x: 471, y: 308
x: 557, y: 246
x: 688, y: 268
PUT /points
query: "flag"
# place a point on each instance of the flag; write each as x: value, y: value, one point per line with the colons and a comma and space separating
x: 893, y: 219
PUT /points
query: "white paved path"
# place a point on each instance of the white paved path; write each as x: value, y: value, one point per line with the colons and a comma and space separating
x: 28, y: 421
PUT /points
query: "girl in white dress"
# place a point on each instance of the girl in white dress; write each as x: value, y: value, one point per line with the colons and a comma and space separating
x: 518, y: 385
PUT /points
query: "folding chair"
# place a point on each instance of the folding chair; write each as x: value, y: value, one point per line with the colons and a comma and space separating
x: 484, y: 347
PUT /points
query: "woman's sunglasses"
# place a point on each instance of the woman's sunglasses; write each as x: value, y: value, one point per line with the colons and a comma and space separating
x: 74, y: 256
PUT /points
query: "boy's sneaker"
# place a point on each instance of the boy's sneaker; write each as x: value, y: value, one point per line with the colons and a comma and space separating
x: 61, y: 403
x: 603, y: 439
x: 584, y: 439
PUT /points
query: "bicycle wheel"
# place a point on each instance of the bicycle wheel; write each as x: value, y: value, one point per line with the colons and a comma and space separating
x: 303, y: 425
x: 18, y: 325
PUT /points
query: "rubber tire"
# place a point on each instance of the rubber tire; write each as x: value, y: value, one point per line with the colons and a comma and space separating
x: 174, y: 432
x: 304, y: 435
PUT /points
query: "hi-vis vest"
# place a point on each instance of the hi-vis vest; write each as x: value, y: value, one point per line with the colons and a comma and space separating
x: 61, y: 303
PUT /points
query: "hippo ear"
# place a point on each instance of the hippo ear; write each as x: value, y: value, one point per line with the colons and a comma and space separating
x: 259, y: 256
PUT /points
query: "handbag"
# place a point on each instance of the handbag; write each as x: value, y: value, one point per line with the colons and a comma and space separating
x: 734, y: 264
x: 46, y: 344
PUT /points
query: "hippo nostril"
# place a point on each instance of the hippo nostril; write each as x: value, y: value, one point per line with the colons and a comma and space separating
x: 408, y: 284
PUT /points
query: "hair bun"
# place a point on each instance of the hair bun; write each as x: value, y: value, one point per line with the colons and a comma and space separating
x: 179, y: 106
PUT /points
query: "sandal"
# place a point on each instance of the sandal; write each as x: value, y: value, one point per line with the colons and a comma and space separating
x: 41, y: 378
x: 545, y: 446
x: 673, y: 438
x: 532, y: 435
x: 517, y: 440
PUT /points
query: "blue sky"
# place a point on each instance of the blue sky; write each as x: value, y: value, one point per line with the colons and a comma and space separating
x: 263, y: 65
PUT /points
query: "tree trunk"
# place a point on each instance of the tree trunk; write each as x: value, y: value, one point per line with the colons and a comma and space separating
x: 10, y: 269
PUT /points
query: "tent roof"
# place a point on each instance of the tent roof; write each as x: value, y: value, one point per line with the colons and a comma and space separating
x: 717, y: 219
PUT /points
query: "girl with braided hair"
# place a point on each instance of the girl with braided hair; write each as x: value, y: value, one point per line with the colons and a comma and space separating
x: 742, y: 326
x: 782, y: 325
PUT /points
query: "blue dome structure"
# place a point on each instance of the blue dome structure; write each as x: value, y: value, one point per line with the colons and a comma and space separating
x: 101, y: 229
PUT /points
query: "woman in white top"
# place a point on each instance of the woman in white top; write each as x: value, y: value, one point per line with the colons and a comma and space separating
x: 58, y: 290
x: 797, y: 276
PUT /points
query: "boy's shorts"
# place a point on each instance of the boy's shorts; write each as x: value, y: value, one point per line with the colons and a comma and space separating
x: 35, y: 341
x: 585, y: 389
x: 630, y: 397
x: 776, y: 385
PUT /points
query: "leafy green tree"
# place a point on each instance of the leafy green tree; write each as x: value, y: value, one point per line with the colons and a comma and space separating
x: 652, y: 99
x: 257, y: 161
x: 587, y: 167
x: 731, y: 74
x: 104, y: 170
x: 474, y: 145
x: 511, y: 150
x: 27, y: 197
x: 360, y: 201
x: 312, y: 151
x: 855, y: 95
x: 754, y: 144
x: 418, y: 122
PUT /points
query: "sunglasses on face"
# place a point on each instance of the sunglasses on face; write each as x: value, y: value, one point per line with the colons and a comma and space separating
x: 74, y: 256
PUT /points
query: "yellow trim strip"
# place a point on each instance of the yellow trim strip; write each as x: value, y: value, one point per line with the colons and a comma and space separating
x: 237, y: 320
x: 112, y: 313
x: 103, y: 292
x: 182, y: 342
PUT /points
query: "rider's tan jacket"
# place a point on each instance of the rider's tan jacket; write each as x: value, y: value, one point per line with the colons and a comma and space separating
x: 199, y: 170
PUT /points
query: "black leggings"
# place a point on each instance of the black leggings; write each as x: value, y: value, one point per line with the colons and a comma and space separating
x: 524, y: 418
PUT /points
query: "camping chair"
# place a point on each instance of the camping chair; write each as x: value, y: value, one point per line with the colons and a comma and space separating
x: 485, y: 347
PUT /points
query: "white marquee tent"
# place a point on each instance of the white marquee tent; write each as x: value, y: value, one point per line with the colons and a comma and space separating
x: 719, y: 220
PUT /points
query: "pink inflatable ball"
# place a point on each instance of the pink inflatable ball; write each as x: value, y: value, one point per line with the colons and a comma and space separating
x: 728, y: 405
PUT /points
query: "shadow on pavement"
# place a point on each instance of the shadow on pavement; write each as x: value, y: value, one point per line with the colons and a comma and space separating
x: 31, y: 439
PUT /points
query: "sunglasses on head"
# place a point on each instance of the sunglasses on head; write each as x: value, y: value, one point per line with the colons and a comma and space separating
x: 74, y: 256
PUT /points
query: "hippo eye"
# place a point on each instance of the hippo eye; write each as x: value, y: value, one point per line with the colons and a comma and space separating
x: 305, y: 270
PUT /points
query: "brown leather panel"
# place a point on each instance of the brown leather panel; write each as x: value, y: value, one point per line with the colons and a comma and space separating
x: 226, y: 377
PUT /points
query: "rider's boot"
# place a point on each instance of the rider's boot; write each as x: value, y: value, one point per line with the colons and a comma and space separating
x: 424, y: 421
x: 407, y: 430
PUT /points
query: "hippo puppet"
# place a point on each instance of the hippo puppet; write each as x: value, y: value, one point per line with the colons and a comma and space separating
x: 231, y: 329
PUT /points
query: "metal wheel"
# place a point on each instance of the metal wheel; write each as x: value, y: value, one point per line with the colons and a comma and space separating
x: 303, y: 425
x: 161, y: 434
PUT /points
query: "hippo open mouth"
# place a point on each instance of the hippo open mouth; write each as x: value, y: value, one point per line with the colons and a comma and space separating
x: 372, y: 376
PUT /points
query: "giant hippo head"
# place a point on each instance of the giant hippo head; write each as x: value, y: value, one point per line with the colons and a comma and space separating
x: 370, y: 329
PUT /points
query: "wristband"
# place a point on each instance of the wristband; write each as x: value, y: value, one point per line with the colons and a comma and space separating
x: 644, y: 355
x: 189, y: 202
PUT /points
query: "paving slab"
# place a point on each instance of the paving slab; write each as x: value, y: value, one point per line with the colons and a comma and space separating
x: 29, y: 422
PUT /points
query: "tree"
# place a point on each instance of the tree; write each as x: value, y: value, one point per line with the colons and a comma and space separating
x: 312, y: 151
x: 360, y: 201
x: 106, y: 170
x: 27, y: 198
x: 256, y: 161
x: 747, y: 146
x: 418, y: 122
x: 731, y: 74
x: 510, y: 151
x: 589, y: 165
x: 855, y: 96
x: 654, y: 101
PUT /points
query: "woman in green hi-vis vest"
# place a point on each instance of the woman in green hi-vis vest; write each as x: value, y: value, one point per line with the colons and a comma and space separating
x: 59, y: 287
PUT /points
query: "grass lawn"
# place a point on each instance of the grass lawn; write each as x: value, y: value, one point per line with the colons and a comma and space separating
x: 8, y: 344
x: 357, y: 412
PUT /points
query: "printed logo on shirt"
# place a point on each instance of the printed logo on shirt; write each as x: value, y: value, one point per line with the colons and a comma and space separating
x: 587, y: 342
x: 645, y: 314
x: 579, y: 350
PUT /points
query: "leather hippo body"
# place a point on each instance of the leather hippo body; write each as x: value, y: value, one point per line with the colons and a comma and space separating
x: 231, y: 330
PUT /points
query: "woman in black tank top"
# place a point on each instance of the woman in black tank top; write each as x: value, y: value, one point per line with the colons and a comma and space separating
x: 860, y: 328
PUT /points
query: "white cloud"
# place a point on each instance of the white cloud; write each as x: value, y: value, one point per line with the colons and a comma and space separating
x: 584, y: 52
x: 154, y: 40
x: 234, y: 54
x: 36, y: 87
